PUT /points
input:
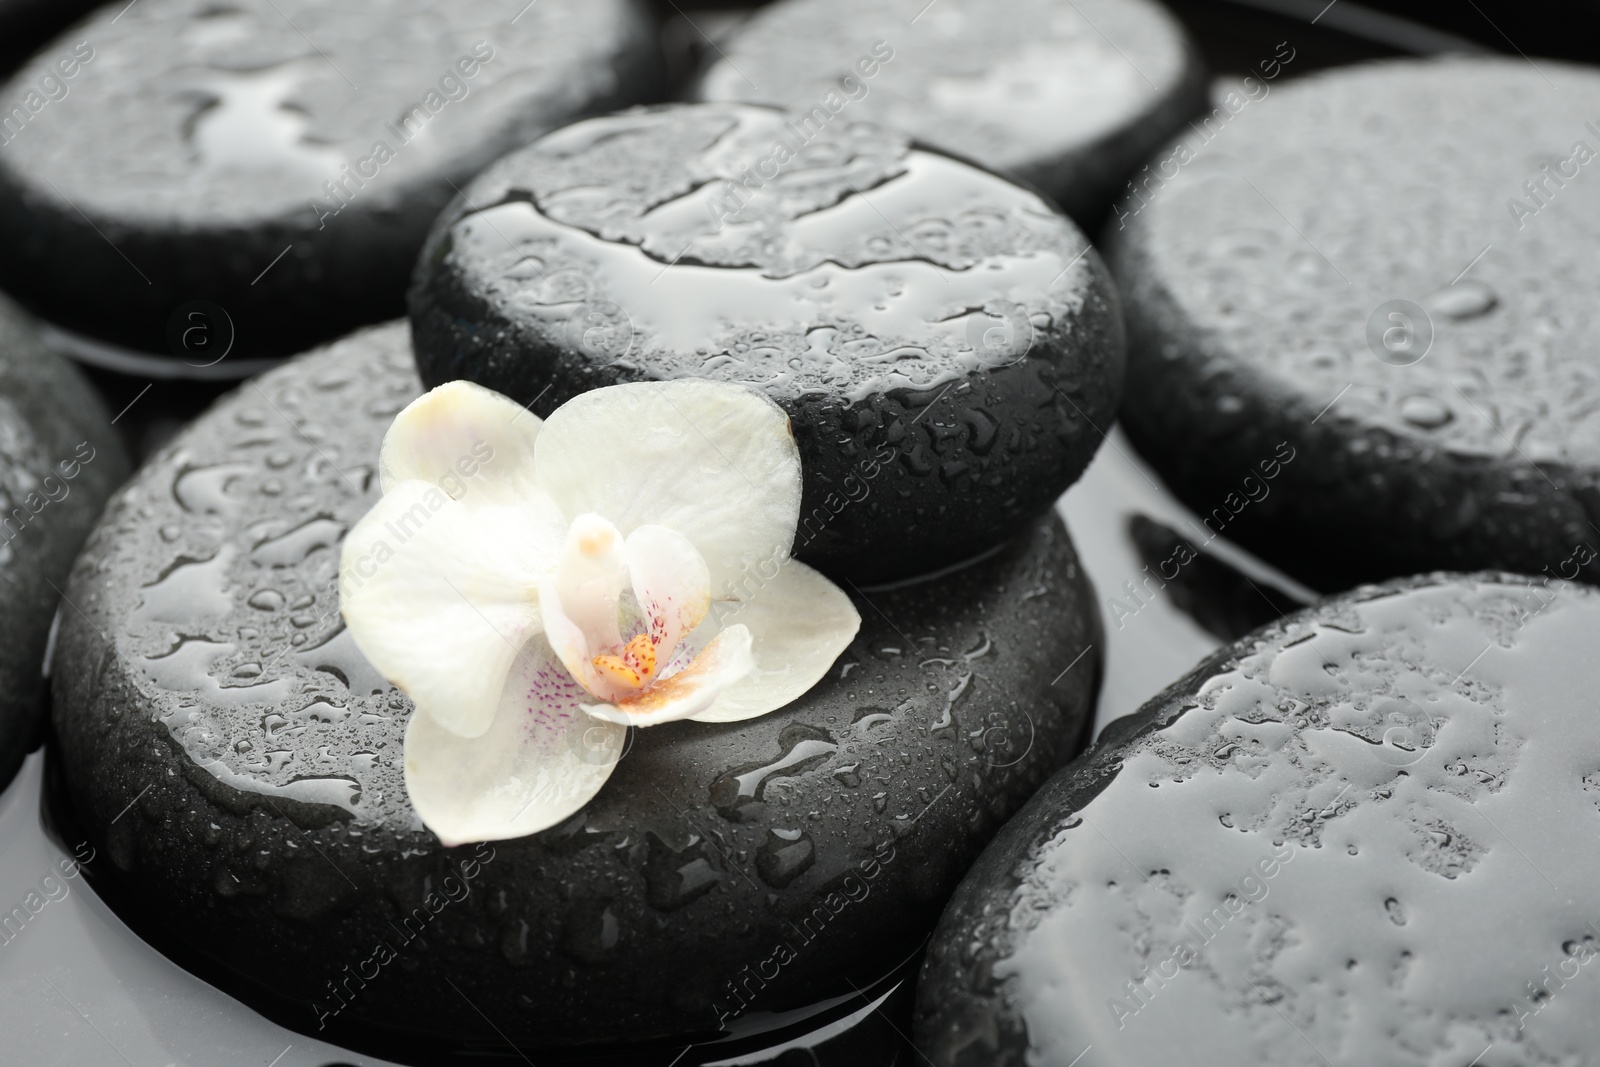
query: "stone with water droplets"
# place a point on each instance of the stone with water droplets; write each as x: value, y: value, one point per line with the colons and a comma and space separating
x: 1391, y: 267
x: 59, y: 460
x: 199, y: 141
x: 1067, y: 95
x: 1369, y: 841
x: 947, y: 345
x: 269, y: 826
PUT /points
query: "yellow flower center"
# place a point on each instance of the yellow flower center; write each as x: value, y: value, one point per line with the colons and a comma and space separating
x: 634, y: 666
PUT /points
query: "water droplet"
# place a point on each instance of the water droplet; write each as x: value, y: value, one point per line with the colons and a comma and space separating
x: 670, y: 883
x: 266, y: 600
x: 293, y: 546
x: 340, y: 657
x: 781, y: 858
x: 983, y: 648
x: 322, y: 711
x: 205, y: 490
x: 189, y: 591
x: 1463, y: 300
x: 867, y: 718
x: 802, y: 748
x: 1425, y: 411
x: 591, y: 931
x: 186, y: 669
x: 947, y: 718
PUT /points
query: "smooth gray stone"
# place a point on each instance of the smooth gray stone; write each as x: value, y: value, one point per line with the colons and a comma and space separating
x: 1260, y: 282
x: 197, y: 142
x: 1358, y: 836
x: 947, y: 345
x: 1067, y: 95
x: 59, y: 461
x: 210, y: 685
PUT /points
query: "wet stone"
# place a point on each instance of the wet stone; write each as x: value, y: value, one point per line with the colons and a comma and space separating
x: 1068, y: 95
x: 1360, y: 835
x: 723, y: 872
x: 944, y: 341
x: 1417, y: 324
x: 198, y: 142
x: 59, y: 461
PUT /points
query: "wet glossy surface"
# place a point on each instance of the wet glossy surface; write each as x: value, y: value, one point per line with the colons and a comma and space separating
x: 59, y: 460
x: 1356, y: 837
x: 723, y: 874
x: 1161, y: 611
x: 1067, y: 96
x: 1358, y: 265
x: 205, y: 140
x: 943, y: 340
x: 124, y: 985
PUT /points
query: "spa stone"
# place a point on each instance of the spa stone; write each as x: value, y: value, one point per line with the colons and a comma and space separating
x: 59, y: 461
x: 1388, y: 269
x: 723, y: 872
x: 1067, y: 95
x: 947, y: 345
x: 279, y: 160
x: 1360, y: 835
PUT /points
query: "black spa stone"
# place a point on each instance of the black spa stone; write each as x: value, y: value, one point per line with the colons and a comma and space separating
x: 1418, y: 323
x: 59, y: 461
x: 24, y: 26
x: 210, y: 684
x: 1361, y: 835
x: 196, y: 142
x: 1068, y: 95
x: 946, y: 344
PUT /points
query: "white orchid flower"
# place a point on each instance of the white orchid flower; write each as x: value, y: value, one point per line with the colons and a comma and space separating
x: 537, y: 588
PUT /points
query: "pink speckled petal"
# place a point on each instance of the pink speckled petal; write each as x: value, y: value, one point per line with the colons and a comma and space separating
x: 671, y: 584
x: 686, y: 692
x: 541, y: 760
x: 579, y: 599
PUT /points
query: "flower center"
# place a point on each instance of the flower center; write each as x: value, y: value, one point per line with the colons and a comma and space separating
x: 634, y: 666
x: 618, y: 611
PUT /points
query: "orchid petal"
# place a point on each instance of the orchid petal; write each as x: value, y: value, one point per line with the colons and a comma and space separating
x: 578, y: 601
x: 688, y: 692
x: 671, y: 584
x: 799, y: 623
x: 541, y: 760
x: 474, y: 443
x: 717, y: 463
x: 590, y: 578
x: 441, y: 597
